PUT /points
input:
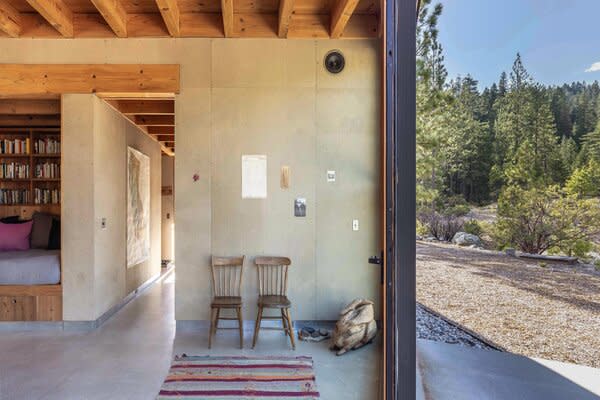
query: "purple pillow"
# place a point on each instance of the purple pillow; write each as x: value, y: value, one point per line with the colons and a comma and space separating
x: 15, y: 236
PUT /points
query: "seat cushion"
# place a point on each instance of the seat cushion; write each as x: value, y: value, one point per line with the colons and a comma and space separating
x: 274, y: 301
x: 221, y: 301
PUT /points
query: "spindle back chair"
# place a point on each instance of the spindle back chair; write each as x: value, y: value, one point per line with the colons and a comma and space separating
x: 272, y: 293
x: 227, y: 274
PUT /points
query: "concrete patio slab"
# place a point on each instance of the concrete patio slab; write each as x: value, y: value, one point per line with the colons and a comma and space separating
x: 455, y: 372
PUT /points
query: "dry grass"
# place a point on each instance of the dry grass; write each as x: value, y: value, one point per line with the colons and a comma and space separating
x: 549, y: 312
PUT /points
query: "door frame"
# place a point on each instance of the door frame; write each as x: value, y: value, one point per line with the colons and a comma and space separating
x: 399, y: 184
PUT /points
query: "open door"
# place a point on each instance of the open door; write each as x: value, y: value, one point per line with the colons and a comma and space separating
x: 399, y: 199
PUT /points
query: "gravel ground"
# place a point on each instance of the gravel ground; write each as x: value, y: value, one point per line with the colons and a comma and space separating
x: 550, y: 312
x: 432, y: 327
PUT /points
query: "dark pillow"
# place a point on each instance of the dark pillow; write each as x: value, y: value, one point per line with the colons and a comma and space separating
x: 40, y: 233
x: 54, y: 241
x: 15, y: 219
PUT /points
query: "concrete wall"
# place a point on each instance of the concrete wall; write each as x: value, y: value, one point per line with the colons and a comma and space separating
x: 268, y: 97
x: 138, y: 274
x: 95, y: 140
x: 168, y: 210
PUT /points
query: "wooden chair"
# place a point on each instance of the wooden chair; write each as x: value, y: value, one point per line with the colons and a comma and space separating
x: 227, y: 273
x: 272, y: 293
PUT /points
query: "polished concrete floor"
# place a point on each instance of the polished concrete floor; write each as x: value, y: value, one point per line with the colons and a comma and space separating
x: 128, y: 356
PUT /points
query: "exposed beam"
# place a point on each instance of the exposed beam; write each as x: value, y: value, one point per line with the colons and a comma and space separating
x: 165, y: 138
x: 56, y: 13
x: 227, y: 11
x: 34, y: 79
x: 286, y: 7
x: 170, y: 14
x: 114, y: 14
x: 146, y: 107
x: 153, y: 120
x: 29, y: 107
x: 163, y: 148
x: 340, y: 15
x: 30, y: 120
x: 10, y: 19
x: 161, y: 130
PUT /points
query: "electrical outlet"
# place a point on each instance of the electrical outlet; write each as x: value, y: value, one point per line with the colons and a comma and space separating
x: 354, y: 224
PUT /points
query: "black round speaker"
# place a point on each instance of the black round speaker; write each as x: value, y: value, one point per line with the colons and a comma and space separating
x: 335, y: 62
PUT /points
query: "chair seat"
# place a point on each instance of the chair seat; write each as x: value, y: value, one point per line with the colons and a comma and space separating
x: 222, y: 301
x: 274, y: 301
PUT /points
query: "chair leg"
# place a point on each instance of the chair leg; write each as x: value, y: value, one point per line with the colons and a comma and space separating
x: 257, y: 325
x: 241, y: 323
x: 291, y: 326
x: 213, y: 314
x: 284, y: 323
x: 217, y: 319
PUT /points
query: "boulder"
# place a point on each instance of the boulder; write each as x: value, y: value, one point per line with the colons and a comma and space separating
x: 466, y: 239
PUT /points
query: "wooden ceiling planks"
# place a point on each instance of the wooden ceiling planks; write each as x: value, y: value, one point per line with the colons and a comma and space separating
x: 323, y: 19
x: 154, y: 116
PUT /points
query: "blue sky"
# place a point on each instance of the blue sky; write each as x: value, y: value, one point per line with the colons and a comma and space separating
x: 558, y: 39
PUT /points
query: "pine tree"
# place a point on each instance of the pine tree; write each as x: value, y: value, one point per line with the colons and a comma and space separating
x: 503, y: 85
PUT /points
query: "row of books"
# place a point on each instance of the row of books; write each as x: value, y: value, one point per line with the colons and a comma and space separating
x: 46, y: 146
x: 47, y: 170
x: 14, y: 196
x: 14, y: 170
x: 14, y: 146
x: 46, y: 196
x: 22, y: 146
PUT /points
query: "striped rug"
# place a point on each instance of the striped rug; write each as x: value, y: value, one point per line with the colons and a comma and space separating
x: 207, y: 377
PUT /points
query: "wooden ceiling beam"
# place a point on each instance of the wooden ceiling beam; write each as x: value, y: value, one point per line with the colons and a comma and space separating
x: 34, y: 79
x: 30, y: 120
x: 286, y: 8
x: 56, y: 13
x: 10, y: 19
x: 170, y: 14
x: 165, y: 138
x: 146, y: 107
x: 153, y: 120
x: 340, y: 16
x: 29, y: 107
x: 114, y: 14
x: 227, y: 12
x: 161, y: 130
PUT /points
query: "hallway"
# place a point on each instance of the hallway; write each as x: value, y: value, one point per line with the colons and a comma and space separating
x: 129, y: 356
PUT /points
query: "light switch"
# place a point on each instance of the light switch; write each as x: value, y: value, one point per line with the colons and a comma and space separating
x: 103, y: 223
x: 354, y: 224
x: 330, y: 176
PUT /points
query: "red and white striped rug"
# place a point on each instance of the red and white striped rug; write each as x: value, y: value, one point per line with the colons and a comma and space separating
x: 207, y: 377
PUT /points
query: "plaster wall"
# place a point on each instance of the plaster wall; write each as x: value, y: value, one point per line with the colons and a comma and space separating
x: 258, y: 96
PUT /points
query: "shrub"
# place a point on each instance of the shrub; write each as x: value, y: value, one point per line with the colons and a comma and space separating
x: 441, y: 226
x: 422, y: 229
x: 473, y: 227
x: 539, y: 220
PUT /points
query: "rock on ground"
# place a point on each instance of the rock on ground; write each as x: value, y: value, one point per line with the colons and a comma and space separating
x: 466, y: 239
x: 432, y: 327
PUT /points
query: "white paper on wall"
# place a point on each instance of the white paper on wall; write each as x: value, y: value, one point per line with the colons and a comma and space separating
x: 254, y: 177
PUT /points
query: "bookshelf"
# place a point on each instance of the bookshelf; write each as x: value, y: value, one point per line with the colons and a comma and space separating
x: 30, y: 170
